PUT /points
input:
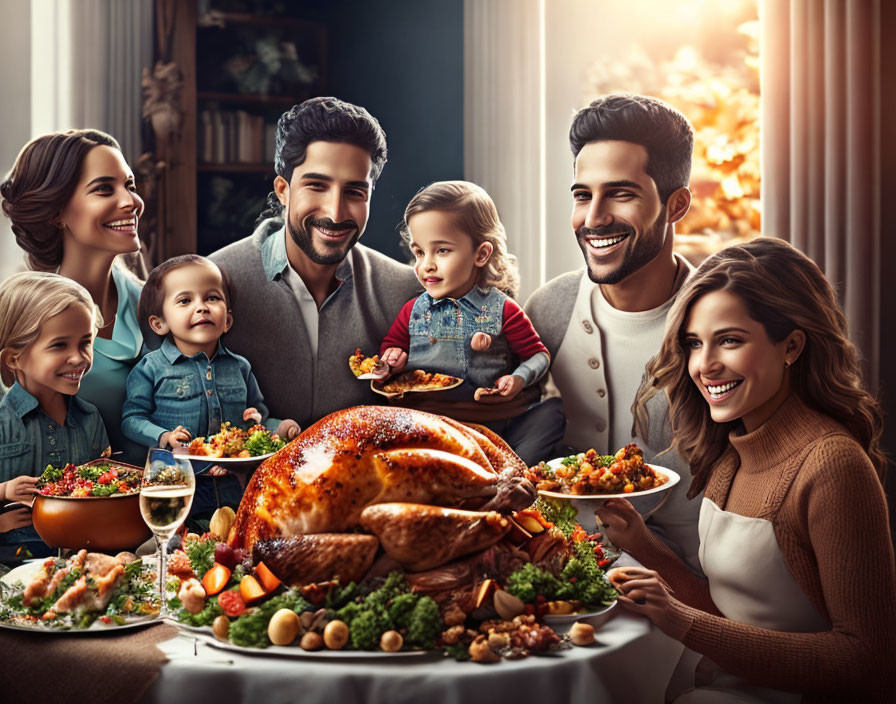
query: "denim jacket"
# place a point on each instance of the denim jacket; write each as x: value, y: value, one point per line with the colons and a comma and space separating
x: 167, y: 389
x: 30, y: 439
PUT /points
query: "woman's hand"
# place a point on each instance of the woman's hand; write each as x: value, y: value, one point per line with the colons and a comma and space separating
x: 644, y: 592
x: 288, y: 429
x: 176, y: 438
x: 21, y: 488
x: 17, y: 518
x: 396, y: 358
x: 622, y: 524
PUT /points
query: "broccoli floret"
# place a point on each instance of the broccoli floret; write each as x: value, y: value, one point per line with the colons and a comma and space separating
x: 425, y: 624
x: 529, y: 581
x: 401, y: 610
x: 365, y: 630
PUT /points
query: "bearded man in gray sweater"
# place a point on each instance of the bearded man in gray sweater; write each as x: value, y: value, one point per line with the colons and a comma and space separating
x: 305, y: 293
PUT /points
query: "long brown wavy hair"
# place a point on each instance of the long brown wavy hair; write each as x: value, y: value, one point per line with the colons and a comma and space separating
x: 475, y: 214
x: 40, y: 185
x: 783, y: 290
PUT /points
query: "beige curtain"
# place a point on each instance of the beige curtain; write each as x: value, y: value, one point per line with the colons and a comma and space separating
x: 820, y: 84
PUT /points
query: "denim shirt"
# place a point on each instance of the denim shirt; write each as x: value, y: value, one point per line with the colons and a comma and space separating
x: 440, y: 331
x: 30, y: 439
x: 167, y: 389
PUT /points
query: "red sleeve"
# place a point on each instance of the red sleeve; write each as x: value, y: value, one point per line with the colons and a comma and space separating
x: 398, y: 335
x: 520, y: 333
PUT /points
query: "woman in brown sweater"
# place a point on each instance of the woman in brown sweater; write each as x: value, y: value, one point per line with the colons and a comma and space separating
x: 767, y: 404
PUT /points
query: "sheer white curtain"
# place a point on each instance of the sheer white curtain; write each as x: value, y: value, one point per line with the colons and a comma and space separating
x: 820, y: 85
x: 86, y: 61
x: 504, y: 121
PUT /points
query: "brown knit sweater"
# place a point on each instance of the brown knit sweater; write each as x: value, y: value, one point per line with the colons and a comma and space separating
x: 806, y: 474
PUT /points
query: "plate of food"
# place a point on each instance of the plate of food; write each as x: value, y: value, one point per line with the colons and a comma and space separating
x: 414, y: 381
x: 364, y: 367
x: 587, y: 479
x: 88, y: 593
x: 233, y: 446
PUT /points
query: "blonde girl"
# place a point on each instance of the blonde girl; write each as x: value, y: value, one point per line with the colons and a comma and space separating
x: 47, y: 327
x: 466, y: 323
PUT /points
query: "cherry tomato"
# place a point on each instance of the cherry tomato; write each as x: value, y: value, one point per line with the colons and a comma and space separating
x: 231, y: 603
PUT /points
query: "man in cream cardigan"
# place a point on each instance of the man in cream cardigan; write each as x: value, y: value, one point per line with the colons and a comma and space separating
x: 632, y: 167
x: 306, y: 294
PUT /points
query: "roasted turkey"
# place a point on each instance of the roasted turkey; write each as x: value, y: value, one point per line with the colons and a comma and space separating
x: 322, y: 482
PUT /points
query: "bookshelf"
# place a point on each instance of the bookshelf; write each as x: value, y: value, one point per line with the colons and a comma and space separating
x: 242, y: 64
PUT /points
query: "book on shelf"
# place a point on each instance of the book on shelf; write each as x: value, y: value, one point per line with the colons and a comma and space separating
x: 234, y: 136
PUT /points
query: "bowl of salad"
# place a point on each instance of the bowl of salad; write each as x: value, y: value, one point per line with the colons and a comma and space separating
x: 94, y: 505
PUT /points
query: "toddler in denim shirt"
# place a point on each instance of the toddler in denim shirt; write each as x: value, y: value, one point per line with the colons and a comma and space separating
x: 193, y: 383
x: 467, y: 324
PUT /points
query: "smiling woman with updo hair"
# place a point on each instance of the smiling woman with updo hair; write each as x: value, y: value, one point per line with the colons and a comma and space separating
x: 73, y: 206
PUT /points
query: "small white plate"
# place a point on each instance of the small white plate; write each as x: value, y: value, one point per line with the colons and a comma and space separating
x: 563, y: 622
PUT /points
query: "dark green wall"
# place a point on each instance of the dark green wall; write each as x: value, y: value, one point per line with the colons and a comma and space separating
x: 403, y: 61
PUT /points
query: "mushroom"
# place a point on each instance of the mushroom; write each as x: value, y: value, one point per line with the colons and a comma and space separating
x: 581, y: 633
x: 335, y: 635
x: 481, y: 652
x: 391, y: 641
x: 192, y: 595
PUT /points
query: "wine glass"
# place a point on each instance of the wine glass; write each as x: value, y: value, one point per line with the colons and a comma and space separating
x: 165, y: 499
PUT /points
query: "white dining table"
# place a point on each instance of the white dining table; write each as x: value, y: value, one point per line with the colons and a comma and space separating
x: 632, y: 661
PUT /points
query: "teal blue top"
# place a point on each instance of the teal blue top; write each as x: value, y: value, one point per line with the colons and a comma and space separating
x: 30, y: 439
x: 105, y: 385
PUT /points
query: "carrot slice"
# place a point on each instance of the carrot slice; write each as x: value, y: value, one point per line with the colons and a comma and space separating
x: 215, y: 579
x: 267, y: 578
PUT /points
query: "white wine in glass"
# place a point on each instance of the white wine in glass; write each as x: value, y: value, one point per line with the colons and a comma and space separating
x: 165, y: 499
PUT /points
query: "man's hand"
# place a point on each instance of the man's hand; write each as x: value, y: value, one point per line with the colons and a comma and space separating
x: 176, y: 438
x: 21, y: 488
x: 17, y: 518
x: 396, y: 358
x: 288, y: 429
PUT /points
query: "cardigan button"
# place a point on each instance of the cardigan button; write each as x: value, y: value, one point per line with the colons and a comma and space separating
x: 601, y: 425
x: 601, y: 392
x: 589, y: 328
x: 594, y: 362
x: 432, y: 340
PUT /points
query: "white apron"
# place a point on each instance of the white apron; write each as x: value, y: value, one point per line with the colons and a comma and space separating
x: 749, y: 582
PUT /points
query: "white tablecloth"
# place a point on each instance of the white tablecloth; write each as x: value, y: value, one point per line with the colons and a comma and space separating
x: 632, y: 662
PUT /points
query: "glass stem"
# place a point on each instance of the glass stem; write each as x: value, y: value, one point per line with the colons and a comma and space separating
x: 163, y: 572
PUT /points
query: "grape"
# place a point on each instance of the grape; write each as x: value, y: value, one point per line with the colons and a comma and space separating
x: 225, y: 555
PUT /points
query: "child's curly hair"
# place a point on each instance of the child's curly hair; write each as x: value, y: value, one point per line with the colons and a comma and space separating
x: 477, y: 216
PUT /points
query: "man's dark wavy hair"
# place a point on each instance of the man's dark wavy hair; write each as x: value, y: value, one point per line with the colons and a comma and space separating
x: 327, y: 120
x: 662, y: 130
x: 323, y: 119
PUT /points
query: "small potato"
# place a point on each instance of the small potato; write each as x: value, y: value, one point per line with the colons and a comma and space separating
x: 391, y: 641
x: 581, y: 633
x: 335, y: 635
x: 283, y: 627
x: 311, y: 641
x: 221, y: 627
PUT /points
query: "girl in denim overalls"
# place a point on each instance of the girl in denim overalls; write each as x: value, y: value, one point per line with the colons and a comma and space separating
x: 467, y: 324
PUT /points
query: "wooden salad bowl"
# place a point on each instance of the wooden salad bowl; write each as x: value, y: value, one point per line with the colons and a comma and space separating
x: 105, y: 523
